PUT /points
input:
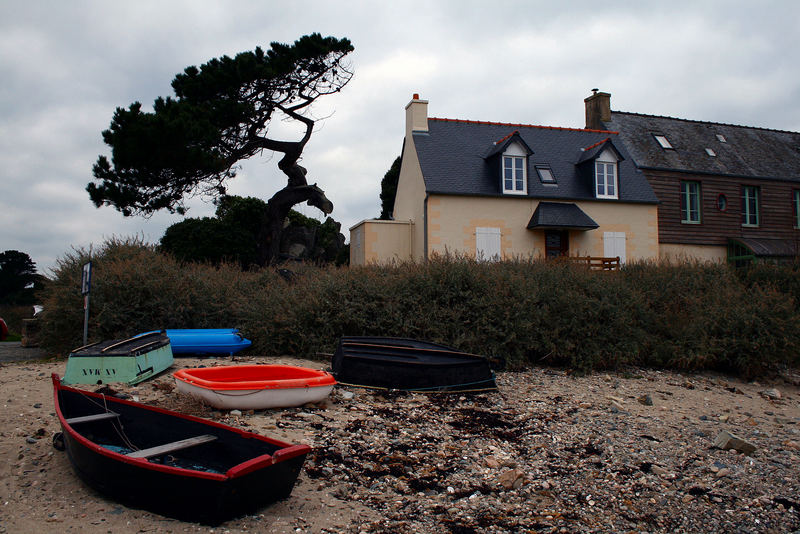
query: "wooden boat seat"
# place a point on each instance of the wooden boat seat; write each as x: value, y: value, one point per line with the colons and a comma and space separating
x: 167, y: 448
x: 94, y: 417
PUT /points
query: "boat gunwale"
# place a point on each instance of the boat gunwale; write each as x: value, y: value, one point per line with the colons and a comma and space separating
x: 394, y: 341
x: 111, y: 350
x: 285, y: 452
x: 411, y: 356
x: 441, y: 350
x: 396, y: 361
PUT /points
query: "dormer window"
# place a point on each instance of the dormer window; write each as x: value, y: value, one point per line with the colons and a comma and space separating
x: 606, y: 179
x: 663, y: 141
x: 513, y: 174
x: 515, y: 177
x: 605, y: 174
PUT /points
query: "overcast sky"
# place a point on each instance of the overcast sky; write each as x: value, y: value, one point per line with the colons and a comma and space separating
x: 65, y: 67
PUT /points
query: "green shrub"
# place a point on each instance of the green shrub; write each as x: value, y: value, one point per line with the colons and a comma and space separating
x: 785, y: 278
x: 690, y: 316
x: 701, y: 316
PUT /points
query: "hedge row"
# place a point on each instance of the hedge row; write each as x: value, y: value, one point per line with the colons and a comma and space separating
x: 690, y: 316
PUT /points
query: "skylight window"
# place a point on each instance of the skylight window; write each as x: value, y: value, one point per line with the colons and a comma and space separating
x: 721, y: 138
x: 711, y: 153
x: 546, y: 175
x: 663, y: 141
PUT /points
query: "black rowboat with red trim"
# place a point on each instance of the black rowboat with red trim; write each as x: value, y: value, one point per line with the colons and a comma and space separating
x: 409, y: 364
x: 170, y: 463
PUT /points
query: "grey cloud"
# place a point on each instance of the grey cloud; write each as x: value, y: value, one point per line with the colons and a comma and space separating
x: 67, y: 65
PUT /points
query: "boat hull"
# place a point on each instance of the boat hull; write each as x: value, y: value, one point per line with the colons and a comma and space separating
x: 409, y: 364
x: 226, y: 341
x: 255, y: 387
x: 235, y: 474
x: 130, y: 361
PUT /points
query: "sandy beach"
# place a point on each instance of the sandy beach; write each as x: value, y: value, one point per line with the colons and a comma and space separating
x: 548, y: 452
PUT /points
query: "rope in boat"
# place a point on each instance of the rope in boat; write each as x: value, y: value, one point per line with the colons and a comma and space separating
x: 115, y: 424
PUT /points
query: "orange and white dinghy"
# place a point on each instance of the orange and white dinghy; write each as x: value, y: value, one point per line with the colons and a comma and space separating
x: 255, y: 387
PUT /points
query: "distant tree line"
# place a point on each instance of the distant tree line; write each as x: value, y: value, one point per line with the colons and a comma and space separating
x: 231, y: 235
x: 389, y: 189
x: 18, y: 279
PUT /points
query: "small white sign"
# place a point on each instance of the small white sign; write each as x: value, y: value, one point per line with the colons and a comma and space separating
x: 86, y: 279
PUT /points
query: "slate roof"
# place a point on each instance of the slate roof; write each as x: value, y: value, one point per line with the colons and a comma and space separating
x: 746, y: 152
x: 455, y: 159
x: 561, y: 215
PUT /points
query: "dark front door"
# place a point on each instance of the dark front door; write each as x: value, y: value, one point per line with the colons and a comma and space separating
x: 556, y: 243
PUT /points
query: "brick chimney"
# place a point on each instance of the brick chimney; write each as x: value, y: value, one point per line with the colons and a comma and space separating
x: 598, y: 110
x: 416, y: 115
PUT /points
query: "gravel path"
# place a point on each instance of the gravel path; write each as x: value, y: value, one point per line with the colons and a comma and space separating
x: 13, y: 351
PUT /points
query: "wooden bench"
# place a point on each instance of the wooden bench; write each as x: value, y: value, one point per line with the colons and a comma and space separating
x: 595, y: 263
x: 94, y: 417
x: 167, y: 448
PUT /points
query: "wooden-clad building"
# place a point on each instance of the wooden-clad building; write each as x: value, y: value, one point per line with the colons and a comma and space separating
x: 725, y: 191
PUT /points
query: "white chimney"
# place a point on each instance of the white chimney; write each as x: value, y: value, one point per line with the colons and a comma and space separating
x: 416, y: 115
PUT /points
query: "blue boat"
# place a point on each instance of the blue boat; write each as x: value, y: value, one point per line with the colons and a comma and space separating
x: 227, y: 341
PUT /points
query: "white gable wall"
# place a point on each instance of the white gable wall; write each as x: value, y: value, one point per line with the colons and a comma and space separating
x: 515, y: 149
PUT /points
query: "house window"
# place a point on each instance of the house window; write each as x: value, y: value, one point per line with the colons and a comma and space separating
x: 614, y: 245
x: 514, y: 175
x: 487, y: 244
x: 749, y: 205
x: 721, y: 138
x: 796, y: 202
x: 690, y: 202
x: 605, y: 179
x: 663, y: 141
x: 711, y: 152
x: 546, y: 175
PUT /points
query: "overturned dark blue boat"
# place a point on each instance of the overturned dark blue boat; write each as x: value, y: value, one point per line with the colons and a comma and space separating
x: 225, y: 341
x: 409, y: 364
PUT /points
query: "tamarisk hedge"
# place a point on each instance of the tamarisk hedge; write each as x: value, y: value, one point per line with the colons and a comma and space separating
x: 690, y: 316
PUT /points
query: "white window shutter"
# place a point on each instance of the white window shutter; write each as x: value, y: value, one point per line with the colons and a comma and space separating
x: 614, y: 245
x: 487, y: 243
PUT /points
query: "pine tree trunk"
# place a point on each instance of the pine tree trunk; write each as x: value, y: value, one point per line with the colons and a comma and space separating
x: 278, y: 208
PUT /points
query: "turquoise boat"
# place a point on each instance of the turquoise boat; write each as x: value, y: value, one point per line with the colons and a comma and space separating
x: 130, y: 360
